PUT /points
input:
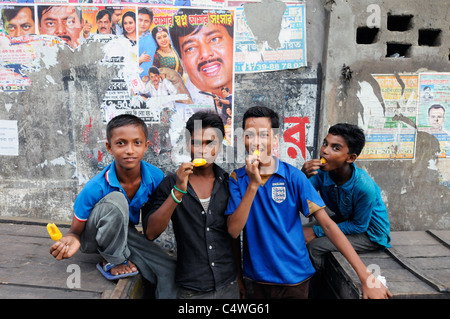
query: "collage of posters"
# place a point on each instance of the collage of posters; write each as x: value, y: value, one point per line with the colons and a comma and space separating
x: 175, y: 57
x: 171, y: 58
x: 421, y: 99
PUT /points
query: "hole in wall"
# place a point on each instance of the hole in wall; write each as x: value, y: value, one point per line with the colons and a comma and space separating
x: 399, y: 22
x: 431, y: 38
x: 366, y: 35
x: 398, y: 50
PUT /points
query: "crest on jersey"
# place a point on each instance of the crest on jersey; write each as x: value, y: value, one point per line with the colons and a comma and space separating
x: 279, y: 194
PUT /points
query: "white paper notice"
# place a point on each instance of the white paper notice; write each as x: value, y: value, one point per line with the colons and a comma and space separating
x: 9, y: 138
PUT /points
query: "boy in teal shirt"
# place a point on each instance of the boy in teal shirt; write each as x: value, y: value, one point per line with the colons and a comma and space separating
x: 349, y: 192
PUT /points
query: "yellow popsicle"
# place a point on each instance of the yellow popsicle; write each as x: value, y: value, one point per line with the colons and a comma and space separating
x: 199, y: 162
x: 322, y: 160
x: 54, y: 232
x: 256, y: 152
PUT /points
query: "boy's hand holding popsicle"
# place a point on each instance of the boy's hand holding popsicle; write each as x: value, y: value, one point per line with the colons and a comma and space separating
x: 311, y: 167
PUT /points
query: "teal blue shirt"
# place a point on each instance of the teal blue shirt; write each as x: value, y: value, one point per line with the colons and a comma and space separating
x: 358, y: 202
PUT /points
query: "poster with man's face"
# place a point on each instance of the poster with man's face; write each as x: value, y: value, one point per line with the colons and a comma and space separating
x: 180, y: 60
x: 434, y: 108
x: 191, y: 49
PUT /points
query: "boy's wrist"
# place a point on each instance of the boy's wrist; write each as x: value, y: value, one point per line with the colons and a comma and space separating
x: 253, y: 186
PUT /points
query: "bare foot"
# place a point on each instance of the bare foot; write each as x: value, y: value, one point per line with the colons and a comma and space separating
x: 123, y: 269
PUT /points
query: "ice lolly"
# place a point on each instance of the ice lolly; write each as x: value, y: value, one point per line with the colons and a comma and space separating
x: 199, y: 162
x: 54, y: 232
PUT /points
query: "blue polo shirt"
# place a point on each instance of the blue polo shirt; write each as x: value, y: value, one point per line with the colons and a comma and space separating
x: 106, y: 182
x: 358, y: 203
x: 274, y: 245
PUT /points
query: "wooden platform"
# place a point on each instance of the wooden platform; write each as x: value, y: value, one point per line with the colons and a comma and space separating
x: 27, y: 270
x: 417, y: 266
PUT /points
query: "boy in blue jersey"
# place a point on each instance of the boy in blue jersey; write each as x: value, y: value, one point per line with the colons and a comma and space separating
x: 349, y: 192
x: 108, y: 208
x: 266, y: 198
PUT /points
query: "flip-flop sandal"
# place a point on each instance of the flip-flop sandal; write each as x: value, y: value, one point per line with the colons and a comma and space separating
x: 106, y: 270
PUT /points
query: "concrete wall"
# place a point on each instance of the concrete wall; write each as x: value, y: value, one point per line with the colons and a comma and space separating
x: 415, y: 189
x: 61, y: 132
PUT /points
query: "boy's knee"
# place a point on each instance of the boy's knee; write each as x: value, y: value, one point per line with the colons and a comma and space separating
x: 115, y: 203
x: 117, y: 198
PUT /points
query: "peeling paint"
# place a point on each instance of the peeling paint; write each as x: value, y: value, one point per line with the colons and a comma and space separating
x: 373, y: 110
x: 264, y: 19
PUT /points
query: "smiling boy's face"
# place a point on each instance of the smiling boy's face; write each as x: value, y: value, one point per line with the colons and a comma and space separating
x: 259, y: 135
x: 128, y: 146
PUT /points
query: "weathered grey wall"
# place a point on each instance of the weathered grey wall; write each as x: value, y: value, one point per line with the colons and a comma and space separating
x: 61, y: 133
x: 415, y: 197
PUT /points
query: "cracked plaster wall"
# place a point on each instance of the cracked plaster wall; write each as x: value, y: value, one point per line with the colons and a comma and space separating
x: 413, y: 189
x: 61, y: 135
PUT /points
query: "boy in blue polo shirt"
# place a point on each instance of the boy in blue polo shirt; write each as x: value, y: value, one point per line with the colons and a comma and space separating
x: 349, y: 192
x: 266, y: 198
x: 108, y: 208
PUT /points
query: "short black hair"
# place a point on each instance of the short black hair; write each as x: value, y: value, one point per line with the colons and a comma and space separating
x: 262, y: 111
x: 352, y: 134
x: 437, y: 107
x: 123, y: 120
x: 153, y: 70
x: 11, y: 13
x: 145, y: 10
x: 208, y: 119
x: 44, y: 9
x: 102, y: 13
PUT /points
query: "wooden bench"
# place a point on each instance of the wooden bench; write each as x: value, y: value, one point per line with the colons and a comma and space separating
x: 28, y: 271
x: 417, y: 266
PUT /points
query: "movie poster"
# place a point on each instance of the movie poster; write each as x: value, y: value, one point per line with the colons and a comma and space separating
x: 386, y: 136
x: 172, y: 61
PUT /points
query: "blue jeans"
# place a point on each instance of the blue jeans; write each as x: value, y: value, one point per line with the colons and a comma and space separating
x: 108, y: 233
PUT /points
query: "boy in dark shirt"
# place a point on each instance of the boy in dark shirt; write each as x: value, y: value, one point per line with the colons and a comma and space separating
x: 195, y: 199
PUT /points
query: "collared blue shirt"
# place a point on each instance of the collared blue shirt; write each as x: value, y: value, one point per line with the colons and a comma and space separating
x: 358, y: 202
x: 274, y: 245
x: 106, y: 182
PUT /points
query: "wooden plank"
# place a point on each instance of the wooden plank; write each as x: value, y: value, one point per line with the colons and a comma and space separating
x: 412, y: 238
x: 26, y: 264
x: 418, y: 266
x: 418, y: 251
x: 405, y: 262
x: 443, y: 236
x: 33, y: 292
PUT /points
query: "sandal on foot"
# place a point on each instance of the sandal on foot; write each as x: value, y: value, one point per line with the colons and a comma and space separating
x: 106, y: 270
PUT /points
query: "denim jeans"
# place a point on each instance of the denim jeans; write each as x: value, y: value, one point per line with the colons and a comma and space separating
x: 108, y: 233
